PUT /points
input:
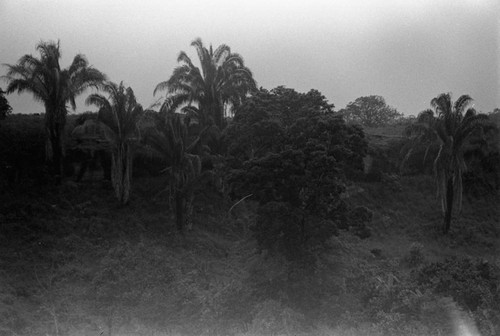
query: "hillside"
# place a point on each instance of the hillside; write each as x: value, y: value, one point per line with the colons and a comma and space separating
x: 74, y: 262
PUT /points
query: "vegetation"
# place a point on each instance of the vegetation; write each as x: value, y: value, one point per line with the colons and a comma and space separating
x: 291, y: 221
x: 118, y: 116
x: 222, y: 82
x: 55, y: 87
x: 292, y: 158
x: 370, y: 111
x: 5, y: 108
x: 452, y: 124
x: 170, y: 140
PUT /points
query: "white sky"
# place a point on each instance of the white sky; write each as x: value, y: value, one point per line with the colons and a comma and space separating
x: 407, y: 51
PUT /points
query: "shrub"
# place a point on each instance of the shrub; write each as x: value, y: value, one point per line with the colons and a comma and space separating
x: 415, y: 256
x: 473, y: 284
x: 357, y: 220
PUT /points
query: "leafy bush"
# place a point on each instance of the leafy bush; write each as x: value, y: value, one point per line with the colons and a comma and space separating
x: 471, y: 283
x: 415, y: 256
x: 357, y: 220
x: 474, y: 285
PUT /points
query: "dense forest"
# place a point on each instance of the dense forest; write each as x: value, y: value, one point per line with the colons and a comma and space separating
x: 232, y: 209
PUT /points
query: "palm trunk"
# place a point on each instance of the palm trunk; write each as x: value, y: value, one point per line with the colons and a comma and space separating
x: 55, y: 120
x: 127, y: 173
x: 57, y: 153
x: 179, y: 211
x: 120, y: 173
x: 116, y: 172
x: 217, y: 113
x: 189, y: 210
x: 449, y: 205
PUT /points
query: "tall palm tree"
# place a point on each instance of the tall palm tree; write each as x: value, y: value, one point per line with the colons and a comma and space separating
x: 55, y: 88
x: 119, y: 115
x: 171, y: 141
x: 222, y: 82
x: 451, y: 124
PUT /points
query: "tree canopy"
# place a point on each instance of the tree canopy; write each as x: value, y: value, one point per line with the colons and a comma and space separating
x: 55, y: 87
x: 293, y: 155
x: 371, y: 111
x: 260, y: 124
x: 221, y: 82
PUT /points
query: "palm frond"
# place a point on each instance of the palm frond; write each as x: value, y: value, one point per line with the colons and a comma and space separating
x: 221, y: 53
x: 160, y: 87
x: 461, y: 103
x: 98, y: 100
x: 29, y: 62
x: 221, y: 79
x: 184, y: 58
x: 79, y: 62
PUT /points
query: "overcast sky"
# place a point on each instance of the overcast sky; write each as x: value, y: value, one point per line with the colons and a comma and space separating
x: 407, y: 51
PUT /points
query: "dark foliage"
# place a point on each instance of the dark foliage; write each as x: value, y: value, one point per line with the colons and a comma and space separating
x: 294, y: 153
x: 473, y: 284
x: 86, y: 153
x: 357, y: 220
x: 280, y: 119
x: 5, y: 108
x: 22, y: 149
x: 371, y: 111
x: 283, y: 228
x: 483, y: 159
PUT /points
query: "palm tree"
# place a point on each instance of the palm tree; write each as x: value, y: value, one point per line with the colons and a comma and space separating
x: 55, y: 88
x: 451, y: 124
x: 222, y: 82
x: 118, y: 116
x: 170, y: 140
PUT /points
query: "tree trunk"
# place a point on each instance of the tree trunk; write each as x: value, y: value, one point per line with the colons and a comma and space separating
x: 57, y: 153
x: 217, y: 113
x: 179, y: 211
x: 189, y: 210
x: 120, y: 173
x: 127, y: 166
x: 55, y: 120
x: 449, y: 205
x: 116, y: 171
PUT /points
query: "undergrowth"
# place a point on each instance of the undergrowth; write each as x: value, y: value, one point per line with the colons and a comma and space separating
x: 75, y: 262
